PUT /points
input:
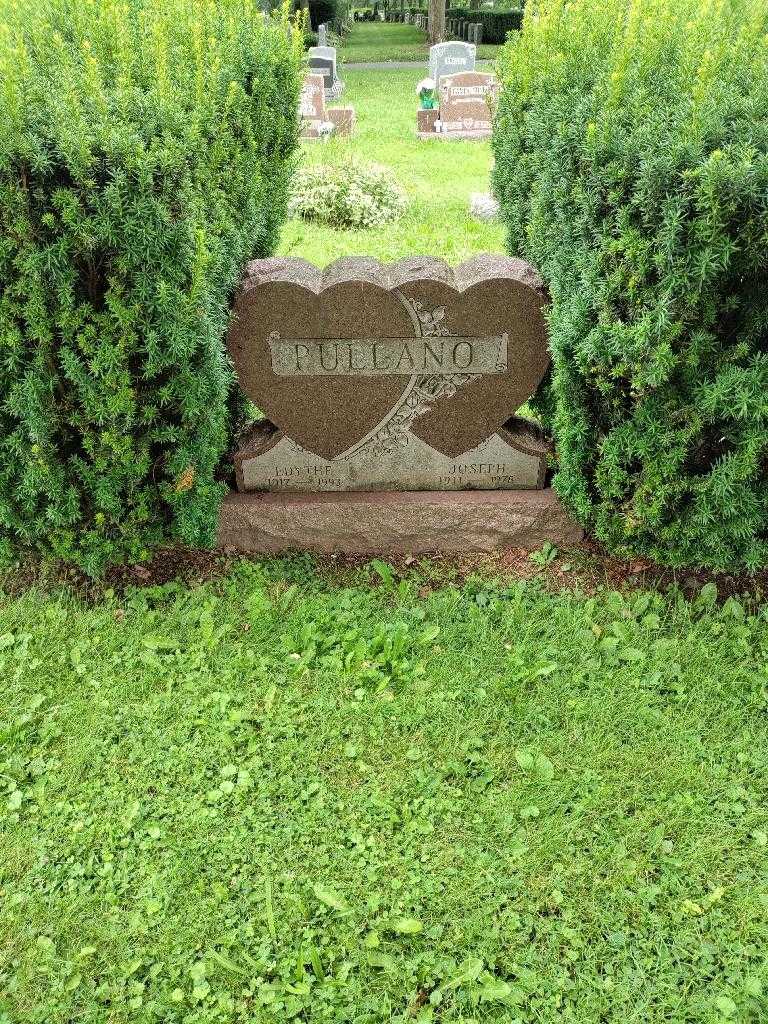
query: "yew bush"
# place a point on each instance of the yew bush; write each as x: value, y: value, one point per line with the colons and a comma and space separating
x: 145, y: 153
x: 632, y: 167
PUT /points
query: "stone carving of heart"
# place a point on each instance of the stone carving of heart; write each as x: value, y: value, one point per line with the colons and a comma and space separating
x: 362, y: 351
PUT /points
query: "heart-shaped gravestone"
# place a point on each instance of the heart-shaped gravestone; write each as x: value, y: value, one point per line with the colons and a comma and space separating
x: 362, y: 353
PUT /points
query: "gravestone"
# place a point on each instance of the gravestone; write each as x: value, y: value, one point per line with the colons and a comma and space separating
x: 425, y: 123
x: 322, y: 60
x: 466, y: 105
x: 322, y: 35
x: 314, y: 118
x: 404, y: 377
x: 450, y: 58
x: 327, y: 53
x: 323, y: 66
x: 343, y: 119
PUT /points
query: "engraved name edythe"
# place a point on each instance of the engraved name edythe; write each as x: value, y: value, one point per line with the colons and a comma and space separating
x: 374, y: 357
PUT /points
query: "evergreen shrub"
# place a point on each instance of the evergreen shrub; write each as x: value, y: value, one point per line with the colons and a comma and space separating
x: 632, y: 168
x: 145, y: 155
x: 323, y: 12
x: 496, y: 24
x: 355, y: 194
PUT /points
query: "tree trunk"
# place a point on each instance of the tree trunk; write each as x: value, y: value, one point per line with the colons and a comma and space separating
x: 436, y: 23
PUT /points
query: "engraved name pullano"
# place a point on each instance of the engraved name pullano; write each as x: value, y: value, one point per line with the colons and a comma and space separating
x: 374, y: 357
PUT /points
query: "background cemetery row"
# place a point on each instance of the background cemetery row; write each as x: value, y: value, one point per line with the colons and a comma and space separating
x: 474, y: 23
x: 456, y: 101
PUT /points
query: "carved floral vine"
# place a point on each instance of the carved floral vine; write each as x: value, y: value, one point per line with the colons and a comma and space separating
x: 423, y: 391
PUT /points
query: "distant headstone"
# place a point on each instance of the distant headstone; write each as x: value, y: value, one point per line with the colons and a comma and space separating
x: 323, y: 66
x: 322, y: 60
x: 343, y: 119
x: 466, y: 104
x: 450, y: 58
x: 322, y: 35
x: 401, y: 377
x: 314, y: 119
x: 326, y: 52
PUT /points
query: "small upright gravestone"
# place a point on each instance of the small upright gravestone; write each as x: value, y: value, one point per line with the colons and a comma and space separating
x: 449, y: 59
x: 322, y: 61
x: 466, y: 104
x: 315, y: 123
x: 322, y: 35
x: 317, y: 120
x: 403, y: 377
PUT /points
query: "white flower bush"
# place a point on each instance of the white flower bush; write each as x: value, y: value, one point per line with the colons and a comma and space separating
x: 353, y: 195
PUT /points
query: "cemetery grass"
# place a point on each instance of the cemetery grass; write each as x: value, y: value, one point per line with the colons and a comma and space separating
x: 293, y: 793
x: 437, y: 177
x: 381, y: 41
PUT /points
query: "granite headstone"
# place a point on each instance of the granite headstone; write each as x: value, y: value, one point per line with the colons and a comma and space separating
x: 312, y: 113
x: 466, y: 104
x: 343, y: 119
x: 327, y: 52
x: 322, y: 60
x: 324, y: 66
x: 399, y: 377
x: 450, y: 58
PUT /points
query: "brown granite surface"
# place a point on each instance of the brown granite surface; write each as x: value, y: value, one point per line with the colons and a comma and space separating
x: 425, y: 120
x: 466, y: 102
x: 343, y: 118
x: 413, y: 522
x: 361, y: 352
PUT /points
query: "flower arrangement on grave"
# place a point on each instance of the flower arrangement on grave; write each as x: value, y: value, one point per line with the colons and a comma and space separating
x: 427, y: 93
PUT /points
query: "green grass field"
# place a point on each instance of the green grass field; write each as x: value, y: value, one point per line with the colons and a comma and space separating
x: 287, y: 796
x: 437, y: 177
x: 379, y: 41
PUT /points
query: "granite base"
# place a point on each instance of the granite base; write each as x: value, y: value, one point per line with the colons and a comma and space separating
x: 454, y: 136
x: 407, y: 522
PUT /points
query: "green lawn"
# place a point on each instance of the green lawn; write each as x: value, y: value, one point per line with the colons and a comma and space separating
x: 437, y: 176
x: 379, y: 41
x: 286, y: 796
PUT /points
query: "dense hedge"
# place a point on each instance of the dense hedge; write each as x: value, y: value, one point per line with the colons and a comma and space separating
x: 145, y: 153
x: 496, y: 24
x: 322, y: 12
x: 632, y: 167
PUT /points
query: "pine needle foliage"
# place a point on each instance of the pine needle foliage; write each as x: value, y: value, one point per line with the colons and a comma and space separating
x: 632, y: 167
x: 145, y: 151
